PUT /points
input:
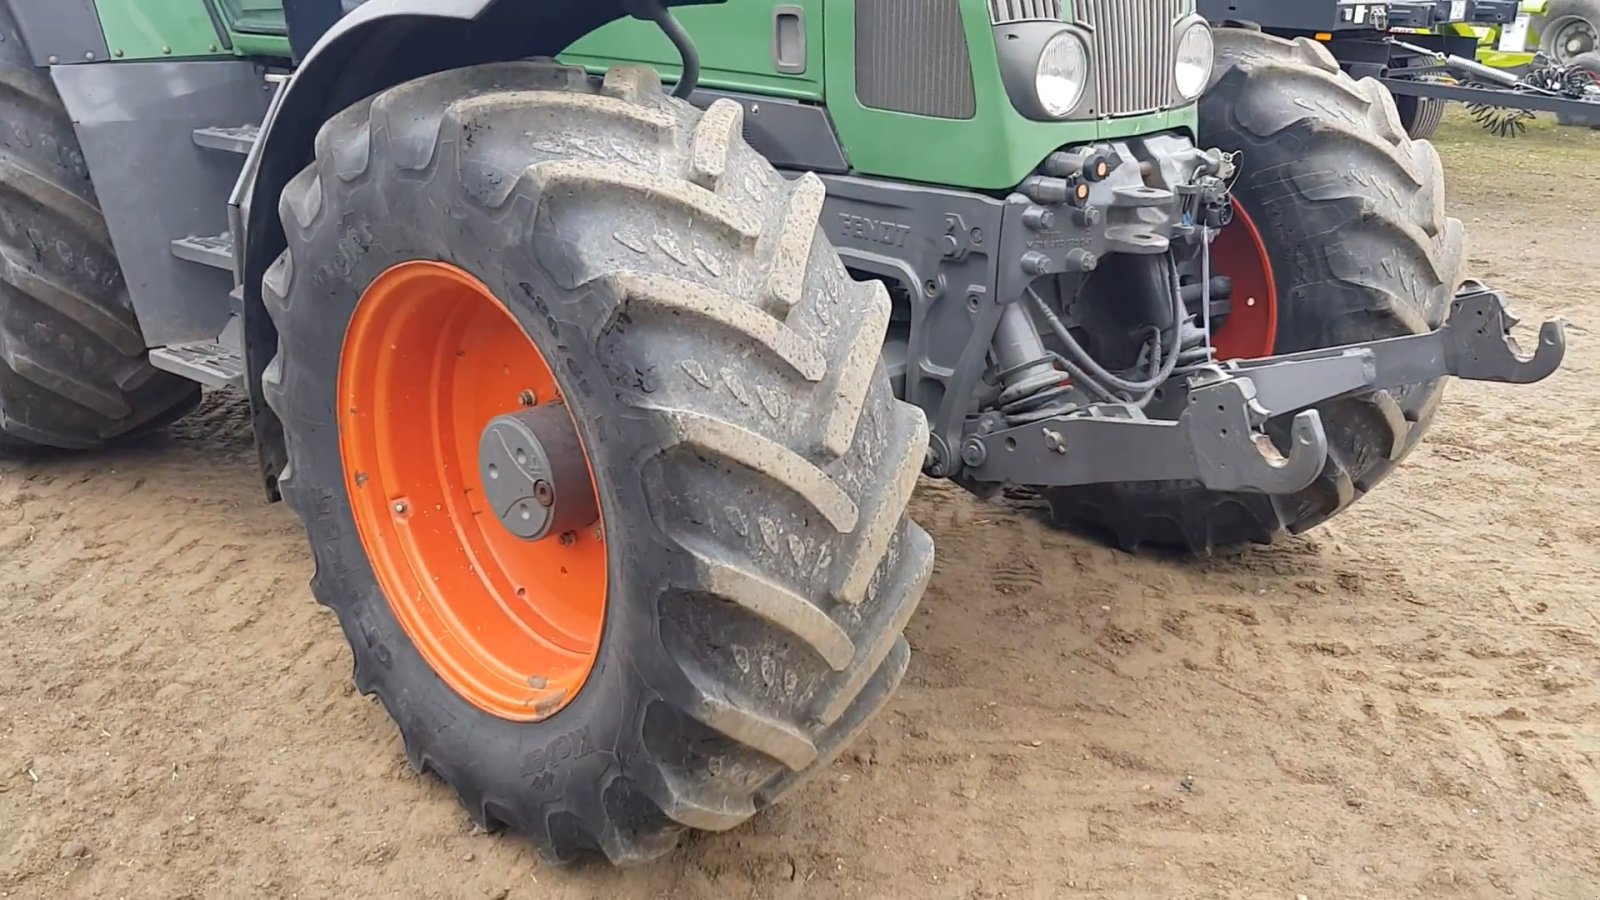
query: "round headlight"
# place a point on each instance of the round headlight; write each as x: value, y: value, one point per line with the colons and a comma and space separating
x: 1196, y: 54
x: 1062, y: 74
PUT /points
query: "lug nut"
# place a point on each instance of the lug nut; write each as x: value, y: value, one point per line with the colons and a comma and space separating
x: 973, y: 452
x: 543, y: 493
x: 1038, y: 218
x: 1081, y: 260
x: 1035, y: 263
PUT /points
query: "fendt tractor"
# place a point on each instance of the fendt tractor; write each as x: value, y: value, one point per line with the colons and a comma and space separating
x: 600, y: 346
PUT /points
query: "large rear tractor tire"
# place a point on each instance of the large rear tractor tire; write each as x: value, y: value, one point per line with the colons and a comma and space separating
x: 1347, y: 217
x: 720, y: 609
x: 74, y: 372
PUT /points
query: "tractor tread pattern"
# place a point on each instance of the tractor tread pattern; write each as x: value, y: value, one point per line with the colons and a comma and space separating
x: 74, y: 373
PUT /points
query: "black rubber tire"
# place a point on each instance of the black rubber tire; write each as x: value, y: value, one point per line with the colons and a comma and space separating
x: 753, y: 466
x: 1589, y: 62
x: 1352, y: 213
x: 74, y: 372
x: 1588, y: 10
x: 1420, y: 116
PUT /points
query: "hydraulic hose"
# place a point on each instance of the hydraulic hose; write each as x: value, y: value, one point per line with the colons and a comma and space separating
x: 1164, y: 362
x: 689, y: 57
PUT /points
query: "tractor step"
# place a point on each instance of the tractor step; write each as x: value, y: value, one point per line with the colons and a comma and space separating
x: 214, y: 250
x: 208, y: 362
x: 229, y: 139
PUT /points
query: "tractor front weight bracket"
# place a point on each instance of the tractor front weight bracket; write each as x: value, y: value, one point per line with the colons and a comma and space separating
x: 1206, y: 426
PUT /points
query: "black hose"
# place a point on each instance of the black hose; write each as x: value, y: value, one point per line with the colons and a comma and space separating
x: 690, y: 79
x: 1162, y: 362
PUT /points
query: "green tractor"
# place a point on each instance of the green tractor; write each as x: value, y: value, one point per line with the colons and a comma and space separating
x: 601, y: 386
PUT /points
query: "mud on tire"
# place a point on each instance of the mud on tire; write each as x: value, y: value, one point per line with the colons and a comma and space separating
x: 1352, y: 214
x: 73, y: 369
x: 752, y: 466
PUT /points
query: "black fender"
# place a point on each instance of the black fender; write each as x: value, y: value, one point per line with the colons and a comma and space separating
x: 380, y: 44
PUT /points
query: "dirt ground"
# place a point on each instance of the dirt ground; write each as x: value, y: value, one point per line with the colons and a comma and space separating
x: 1403, y: 704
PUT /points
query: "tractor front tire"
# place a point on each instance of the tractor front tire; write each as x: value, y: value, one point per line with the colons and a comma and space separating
x: 1351, y: 214
x: 74, y: 371
x: 751, y: 466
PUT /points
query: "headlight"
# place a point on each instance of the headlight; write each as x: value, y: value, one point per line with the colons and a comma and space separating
x: 1062, y: 74
x: 1196, y: 54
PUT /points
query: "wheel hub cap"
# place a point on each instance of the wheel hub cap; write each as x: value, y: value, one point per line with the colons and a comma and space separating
x: 534, y: 475
x: 1575, y: 37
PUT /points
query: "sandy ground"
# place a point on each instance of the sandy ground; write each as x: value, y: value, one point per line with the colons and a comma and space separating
x: 1403, y: 704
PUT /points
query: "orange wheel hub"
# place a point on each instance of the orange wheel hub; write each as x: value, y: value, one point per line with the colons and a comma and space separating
x: 431, y: 359
x: 1251, y: 329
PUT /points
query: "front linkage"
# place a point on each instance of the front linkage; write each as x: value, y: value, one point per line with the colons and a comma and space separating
x: 1216, y: 437
x: 979, y: 319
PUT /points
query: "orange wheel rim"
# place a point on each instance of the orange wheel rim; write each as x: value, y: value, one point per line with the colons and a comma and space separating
x: 1251, y: 329
x: 430, y: 358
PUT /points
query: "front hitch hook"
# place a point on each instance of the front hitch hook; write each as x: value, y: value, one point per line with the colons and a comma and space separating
x: 1230, y: 454
x: 1479, y: 346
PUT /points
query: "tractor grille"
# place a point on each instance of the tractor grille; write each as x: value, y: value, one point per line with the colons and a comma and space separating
x: 1006, y: 12
x: 1133, y: 49
x: 911, y: 57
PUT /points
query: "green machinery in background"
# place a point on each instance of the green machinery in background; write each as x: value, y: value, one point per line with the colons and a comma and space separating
x: 1505, y: 59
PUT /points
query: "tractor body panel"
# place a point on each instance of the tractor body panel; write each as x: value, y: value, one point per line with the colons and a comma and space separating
x: 181, y: 29
x: 156, y: 186
x: 60, y: 32
x: 914, y: 93
x: 732, y: 55
x: 88, y: 31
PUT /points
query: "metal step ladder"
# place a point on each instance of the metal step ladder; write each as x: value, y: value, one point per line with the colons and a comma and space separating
x: 218, y: 362
x: 235, y: 139
x: 215, y: 251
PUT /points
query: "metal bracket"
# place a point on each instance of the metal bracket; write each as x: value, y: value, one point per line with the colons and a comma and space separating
x: 1474, y: 344
x: 1214, y: 442
x: 1216, y: 438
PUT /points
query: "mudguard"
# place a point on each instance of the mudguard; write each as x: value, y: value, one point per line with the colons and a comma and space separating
x: 380, y: 44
